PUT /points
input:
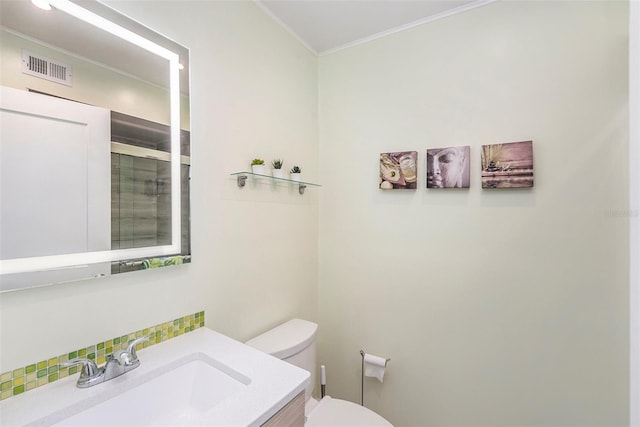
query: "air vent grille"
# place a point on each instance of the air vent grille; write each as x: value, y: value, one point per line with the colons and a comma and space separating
x: 45, y: 68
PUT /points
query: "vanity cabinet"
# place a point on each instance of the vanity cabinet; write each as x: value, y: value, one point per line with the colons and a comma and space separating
x: 292, y: 415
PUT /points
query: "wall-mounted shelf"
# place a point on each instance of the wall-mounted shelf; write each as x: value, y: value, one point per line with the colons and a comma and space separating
x: 242, y: 179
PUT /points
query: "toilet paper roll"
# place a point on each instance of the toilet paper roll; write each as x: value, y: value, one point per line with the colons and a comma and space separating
x: 374, y: 366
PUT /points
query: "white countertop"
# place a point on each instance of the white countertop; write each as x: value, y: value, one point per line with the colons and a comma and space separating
x: 273, y: 383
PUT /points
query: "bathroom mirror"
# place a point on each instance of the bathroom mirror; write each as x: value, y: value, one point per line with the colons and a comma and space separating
x: 84, y: 55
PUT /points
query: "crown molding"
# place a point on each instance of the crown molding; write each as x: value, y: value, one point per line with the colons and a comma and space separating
x: 376, y: 36
x: 295, y: 35
x: 408, y: 26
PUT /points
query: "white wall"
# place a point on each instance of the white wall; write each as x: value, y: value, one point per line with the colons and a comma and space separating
x: 496, y: 307
x: 634, y: 209
x: 254, y: 93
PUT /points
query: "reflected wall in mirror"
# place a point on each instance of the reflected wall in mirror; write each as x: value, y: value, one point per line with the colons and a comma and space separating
x: 95, y: 145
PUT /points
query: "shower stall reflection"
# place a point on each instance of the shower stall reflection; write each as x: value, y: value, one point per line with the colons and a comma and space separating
x: 141, y: 191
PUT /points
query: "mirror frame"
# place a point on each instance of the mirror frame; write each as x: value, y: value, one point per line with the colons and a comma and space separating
x: 51, y: 262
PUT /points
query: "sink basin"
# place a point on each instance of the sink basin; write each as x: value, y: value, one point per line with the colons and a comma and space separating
x: 202, y: 378
x: 180, y: 393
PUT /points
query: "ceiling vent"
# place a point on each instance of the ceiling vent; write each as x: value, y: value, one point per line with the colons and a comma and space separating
x: 45, y: 68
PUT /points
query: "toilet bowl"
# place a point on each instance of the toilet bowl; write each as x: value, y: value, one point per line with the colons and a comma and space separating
x: 337, y: 412
x: 294, y: 342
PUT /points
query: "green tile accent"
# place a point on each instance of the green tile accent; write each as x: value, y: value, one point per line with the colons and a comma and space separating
x: 35, y: 375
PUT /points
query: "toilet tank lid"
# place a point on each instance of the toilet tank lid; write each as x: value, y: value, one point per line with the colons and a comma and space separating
x: 287, y: 339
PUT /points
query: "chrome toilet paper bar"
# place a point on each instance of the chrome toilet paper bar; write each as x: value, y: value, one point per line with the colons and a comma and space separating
x: 375, y: 368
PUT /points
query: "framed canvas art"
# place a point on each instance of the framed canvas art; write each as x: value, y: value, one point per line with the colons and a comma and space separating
x: 507, y: 165
x: 448, y: 167
x: 398, y: 170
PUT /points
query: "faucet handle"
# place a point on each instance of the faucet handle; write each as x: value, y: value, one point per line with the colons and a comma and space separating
x: 131, y: 348
x: 89, y: 371
x: 89, y: 367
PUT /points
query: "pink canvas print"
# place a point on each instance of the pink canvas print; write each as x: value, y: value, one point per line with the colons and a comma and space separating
x: 507, y: 165
x: 398, y: 170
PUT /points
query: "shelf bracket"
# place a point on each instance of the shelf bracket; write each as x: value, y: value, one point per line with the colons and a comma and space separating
x: 301, y: 188
x: 242, y: 180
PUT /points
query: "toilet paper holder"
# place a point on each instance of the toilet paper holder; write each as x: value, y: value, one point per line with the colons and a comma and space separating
x: 362, y: 354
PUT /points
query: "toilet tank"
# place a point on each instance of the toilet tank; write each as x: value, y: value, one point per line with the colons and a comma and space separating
x: 293, y: 342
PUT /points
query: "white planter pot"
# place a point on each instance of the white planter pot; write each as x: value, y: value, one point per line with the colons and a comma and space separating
x: 258, y: 169
x: 278, y: 173
x: 295, y: 176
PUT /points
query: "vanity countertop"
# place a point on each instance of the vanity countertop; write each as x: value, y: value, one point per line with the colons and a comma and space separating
x: 271, y: 384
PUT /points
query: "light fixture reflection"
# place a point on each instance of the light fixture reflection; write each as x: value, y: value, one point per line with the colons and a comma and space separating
x: 42, y: 4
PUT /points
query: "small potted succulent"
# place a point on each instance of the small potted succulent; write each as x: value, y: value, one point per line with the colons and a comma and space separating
x: 277, y: 171
x: 257, y: 166
x: 295, y: 173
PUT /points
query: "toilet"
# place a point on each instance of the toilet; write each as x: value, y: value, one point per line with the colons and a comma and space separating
x: 295, y: 342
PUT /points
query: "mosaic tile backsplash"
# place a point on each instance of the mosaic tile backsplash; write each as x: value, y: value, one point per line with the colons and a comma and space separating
x: 47, y: 371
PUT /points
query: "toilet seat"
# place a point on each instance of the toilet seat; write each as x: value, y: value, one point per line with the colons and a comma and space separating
x: 337, y: 412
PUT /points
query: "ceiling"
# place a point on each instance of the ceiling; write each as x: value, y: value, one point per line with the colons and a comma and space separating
x: 325, y: 26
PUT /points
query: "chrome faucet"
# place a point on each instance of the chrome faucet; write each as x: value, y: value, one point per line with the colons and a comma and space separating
x: 118, y: 363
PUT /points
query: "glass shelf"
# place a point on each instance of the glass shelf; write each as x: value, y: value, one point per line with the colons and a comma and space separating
x: 242, y: 178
